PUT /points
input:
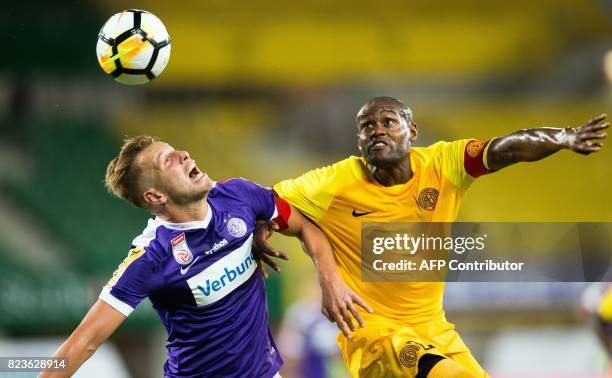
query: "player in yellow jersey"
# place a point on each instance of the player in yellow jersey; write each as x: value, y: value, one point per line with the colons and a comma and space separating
x: 407, y: 334
x: 597, y: 307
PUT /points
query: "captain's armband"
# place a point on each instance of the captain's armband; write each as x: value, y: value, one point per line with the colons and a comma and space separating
x: 475, y: 157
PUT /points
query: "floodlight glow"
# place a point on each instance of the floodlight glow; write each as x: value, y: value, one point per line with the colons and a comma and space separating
x: 608, y: 65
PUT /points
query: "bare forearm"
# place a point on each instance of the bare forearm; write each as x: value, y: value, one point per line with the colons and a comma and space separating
x: 538, y: 143
x: 526, y: 145
x: 314, y: 242
x: 99, y: 323
x: 318, y: 248
x: 337, y: 299
x: 76, y: 350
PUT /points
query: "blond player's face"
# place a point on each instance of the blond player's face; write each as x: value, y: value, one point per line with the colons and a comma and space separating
x: 175, y: 174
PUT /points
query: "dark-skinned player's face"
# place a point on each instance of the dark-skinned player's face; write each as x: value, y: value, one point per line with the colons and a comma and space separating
x: 384, y: 133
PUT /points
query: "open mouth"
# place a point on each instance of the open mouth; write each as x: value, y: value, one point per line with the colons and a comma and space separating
x: 195, y: 174
x: 377, y: 144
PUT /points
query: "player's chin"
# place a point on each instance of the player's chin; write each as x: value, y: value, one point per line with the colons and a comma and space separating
x: 204, y: 184
x: 380, y: 158
x: 207, y: 182
x: 197, y: 194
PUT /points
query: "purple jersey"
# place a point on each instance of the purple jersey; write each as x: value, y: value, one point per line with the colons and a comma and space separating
x: 203, y: 282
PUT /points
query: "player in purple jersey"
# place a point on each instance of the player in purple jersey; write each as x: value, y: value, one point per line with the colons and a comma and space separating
x: 194, y: 263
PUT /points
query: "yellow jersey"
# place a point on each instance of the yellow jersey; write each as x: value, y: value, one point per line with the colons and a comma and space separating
x: 604, y: 308
x: 341, y: 196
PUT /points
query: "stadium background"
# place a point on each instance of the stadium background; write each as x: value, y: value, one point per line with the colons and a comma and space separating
x: 267, y: 90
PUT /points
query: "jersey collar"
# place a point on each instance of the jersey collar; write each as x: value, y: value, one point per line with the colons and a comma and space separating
x: 187, y: 225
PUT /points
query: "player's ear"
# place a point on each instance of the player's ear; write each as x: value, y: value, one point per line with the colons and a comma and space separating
x: 154, y: 198
x: 414, y: 132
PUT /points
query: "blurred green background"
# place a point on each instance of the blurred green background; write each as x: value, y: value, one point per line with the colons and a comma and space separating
x: 267, y: 90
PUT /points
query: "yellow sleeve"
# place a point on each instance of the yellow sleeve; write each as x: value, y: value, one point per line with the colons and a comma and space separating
x: 307, y: 193
x: 313, y: 192
x: 463, y: 160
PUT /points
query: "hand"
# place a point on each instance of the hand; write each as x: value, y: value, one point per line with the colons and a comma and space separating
x: 262, y: 250
x: 338, y: 303
x: 581, y: 137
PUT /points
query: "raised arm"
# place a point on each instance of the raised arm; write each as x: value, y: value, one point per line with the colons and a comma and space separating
x: 538, y: 143
x: 99, y: 323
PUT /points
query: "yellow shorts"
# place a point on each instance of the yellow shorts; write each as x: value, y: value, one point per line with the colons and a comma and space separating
x: 389, y: 349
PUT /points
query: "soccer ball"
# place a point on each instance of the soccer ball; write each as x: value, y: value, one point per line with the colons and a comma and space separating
x: 133, y: 47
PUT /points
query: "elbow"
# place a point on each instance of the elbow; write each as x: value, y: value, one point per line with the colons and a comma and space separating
x: 87, y: 344
x: 91, y: 347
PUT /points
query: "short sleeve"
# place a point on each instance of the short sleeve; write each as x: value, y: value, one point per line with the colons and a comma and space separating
x: 133, y: 280
x: 463, y: 160
x: 310, y: 193
x: 259, y: 198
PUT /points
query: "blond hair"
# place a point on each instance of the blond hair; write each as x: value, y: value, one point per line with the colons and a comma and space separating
x: 123, y: 175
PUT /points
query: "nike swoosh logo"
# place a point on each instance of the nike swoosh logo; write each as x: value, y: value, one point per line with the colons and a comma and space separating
x: 186, y: 268
x: 356, y: 214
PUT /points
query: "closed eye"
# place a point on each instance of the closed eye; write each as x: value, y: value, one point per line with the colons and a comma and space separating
x: 165, y: 160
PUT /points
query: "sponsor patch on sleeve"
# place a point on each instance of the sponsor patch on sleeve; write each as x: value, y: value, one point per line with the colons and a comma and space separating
x: 132, y: 255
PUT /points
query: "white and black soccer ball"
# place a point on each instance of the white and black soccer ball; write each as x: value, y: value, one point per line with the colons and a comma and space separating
x: 133, y: 47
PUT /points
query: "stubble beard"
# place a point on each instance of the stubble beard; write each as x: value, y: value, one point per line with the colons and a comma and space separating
x: 385, y: 161
x: 186, y: 199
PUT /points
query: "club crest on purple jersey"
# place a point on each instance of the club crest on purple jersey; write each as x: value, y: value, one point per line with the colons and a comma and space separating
x: 180, y: 250
x: 236, y: 227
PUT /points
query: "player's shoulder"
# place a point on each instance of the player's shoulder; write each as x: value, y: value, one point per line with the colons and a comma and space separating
x: 426, y: 154
x: 147, y: 236
x: 147, y: 243
x: 432, y: 149
x: 237, y: 182
x: 313, y: 191
x: 326, y: 179
x: 235, y: 187
x: 439, y: 149
x: 343, y: 171
x: 352, y: 167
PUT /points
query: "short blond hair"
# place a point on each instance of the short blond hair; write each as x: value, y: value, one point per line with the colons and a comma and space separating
x: 123, y: 175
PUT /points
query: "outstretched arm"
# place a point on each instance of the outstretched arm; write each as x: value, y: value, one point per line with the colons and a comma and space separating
x: 538, y: 143
x: 99, y: 323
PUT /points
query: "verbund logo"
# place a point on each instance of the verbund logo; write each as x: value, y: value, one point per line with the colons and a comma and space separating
x: 222, y: 277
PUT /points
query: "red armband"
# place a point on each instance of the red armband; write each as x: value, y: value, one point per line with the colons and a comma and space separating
x: 473, y: 158
x: 283, y: 212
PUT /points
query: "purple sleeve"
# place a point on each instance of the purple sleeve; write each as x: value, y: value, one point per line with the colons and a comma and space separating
x: 131, y: 282
x: 260, y: 199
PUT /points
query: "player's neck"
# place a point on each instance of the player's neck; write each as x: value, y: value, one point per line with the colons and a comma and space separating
x: 175, y: 213
x: 396, y: 174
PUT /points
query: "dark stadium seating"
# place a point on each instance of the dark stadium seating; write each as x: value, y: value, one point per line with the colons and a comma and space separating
x: 67, y: 194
